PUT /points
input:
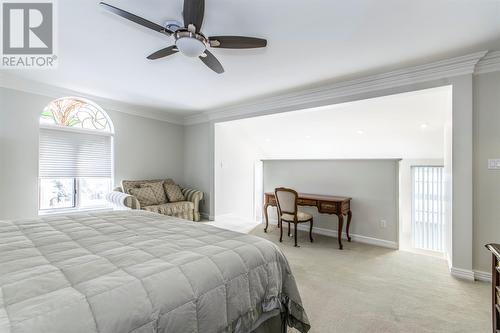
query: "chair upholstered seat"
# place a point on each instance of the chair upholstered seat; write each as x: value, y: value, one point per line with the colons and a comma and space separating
x: 301, y: 217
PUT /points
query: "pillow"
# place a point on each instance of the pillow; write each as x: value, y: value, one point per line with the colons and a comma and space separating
x: 145, y: 195
x: 174, y: 192
x: 157, y: 188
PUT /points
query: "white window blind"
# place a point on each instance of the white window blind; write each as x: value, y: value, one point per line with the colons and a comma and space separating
x: 73, y: 154
x: 428, y: 208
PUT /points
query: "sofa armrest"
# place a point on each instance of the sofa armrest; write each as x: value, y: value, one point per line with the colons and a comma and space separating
x: 195, y: 197
x: 122, y: 200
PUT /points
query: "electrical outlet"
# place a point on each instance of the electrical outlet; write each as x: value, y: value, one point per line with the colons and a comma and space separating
x: 383, y: 223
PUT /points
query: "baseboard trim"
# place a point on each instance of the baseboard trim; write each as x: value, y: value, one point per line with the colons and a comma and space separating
x: 482, y: 276
x: 354, y: 237
x: 460, y: 273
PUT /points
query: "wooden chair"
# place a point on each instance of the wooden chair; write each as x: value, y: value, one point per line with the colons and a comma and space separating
x: 286, y: 200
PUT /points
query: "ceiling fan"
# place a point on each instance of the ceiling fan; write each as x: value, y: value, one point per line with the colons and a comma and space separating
x: 188, y: 38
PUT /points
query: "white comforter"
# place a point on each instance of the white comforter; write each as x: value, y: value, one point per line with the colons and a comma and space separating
x: 134, y: 271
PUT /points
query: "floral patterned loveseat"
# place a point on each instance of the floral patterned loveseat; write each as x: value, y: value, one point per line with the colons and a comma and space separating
x: 158, y: 196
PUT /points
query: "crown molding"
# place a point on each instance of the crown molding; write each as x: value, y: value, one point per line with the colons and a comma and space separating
x: 490, y: 63
x: 474, y: 63
x: 17, y: 83
x: 313, y: 96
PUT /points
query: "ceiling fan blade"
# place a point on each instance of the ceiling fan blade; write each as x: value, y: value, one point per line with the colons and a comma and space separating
x: 163, y: 52
x: 236, y: 42
x: 193, y: 13
x: 136, y: 19
x: 211, y: 61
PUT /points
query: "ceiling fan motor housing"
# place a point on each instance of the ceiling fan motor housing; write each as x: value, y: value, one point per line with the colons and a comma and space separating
x: 173, y: 25
x: 191, y: 44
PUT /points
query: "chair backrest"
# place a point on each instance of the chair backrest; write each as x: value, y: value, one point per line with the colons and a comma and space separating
x: 286, y: 198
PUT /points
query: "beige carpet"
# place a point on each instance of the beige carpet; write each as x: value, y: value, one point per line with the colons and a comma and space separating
x: 371, y: 289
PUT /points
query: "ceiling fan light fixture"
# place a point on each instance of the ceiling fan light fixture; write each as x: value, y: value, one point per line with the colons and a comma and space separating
x: 188, y: 37
x: 190, y: 46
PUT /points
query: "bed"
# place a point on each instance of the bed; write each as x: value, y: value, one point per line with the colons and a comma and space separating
x: 137, y: 271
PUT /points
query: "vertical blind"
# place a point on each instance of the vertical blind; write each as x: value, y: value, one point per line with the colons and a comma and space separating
x: 428, y: 208
x: 73, y: 154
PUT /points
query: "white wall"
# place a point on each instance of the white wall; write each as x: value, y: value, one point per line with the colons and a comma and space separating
x: 486, y: 182
x: 373, y: 185
x: 382, y: 127
x: 235, y: 157
x: 448, y: 187
x: 144, y: 149
x: 462, y: 169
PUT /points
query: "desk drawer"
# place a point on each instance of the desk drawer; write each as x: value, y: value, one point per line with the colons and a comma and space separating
x: 306, y: 202
x: 328, y: 207
x: 346, y: 206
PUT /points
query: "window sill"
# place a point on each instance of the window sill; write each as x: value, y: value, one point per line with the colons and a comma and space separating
x: 73, y: 210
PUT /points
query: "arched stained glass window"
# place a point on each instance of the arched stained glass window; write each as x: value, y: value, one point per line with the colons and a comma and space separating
x: 77, y: 113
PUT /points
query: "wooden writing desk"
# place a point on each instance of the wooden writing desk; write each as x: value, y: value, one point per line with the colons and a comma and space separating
x: 326, y: 204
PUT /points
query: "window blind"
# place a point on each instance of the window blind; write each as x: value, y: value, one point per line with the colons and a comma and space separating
x: 72, y: 154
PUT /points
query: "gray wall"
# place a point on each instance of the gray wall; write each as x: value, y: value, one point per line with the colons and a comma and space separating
x: 373, y: 185
x: 147, y: 148
x: 486, y: 182
x: 144, y: 148
x: 198, y: 146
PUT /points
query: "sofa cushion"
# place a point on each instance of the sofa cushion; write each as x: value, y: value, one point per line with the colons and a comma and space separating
x: 145, y: 195
x: 171, y: 208
x: 130, y: 184
x: 173, y: 192
x: 158, y: 190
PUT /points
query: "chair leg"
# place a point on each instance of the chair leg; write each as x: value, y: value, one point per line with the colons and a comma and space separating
x: 289, y: 234
x: 281, y: 232
x: 295, y: 232
x: 311, y: 232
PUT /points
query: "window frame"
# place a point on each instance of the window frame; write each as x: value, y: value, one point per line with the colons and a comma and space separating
x: 76, y: 195
x: 77, y: 207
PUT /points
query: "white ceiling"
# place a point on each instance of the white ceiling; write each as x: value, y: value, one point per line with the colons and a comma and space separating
x: 409, y: 125
x: 309, y: 42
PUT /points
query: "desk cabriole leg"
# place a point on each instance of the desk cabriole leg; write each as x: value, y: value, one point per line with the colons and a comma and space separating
x: 349, y: 217
x: 339, y: 234
x: 267, y: 217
